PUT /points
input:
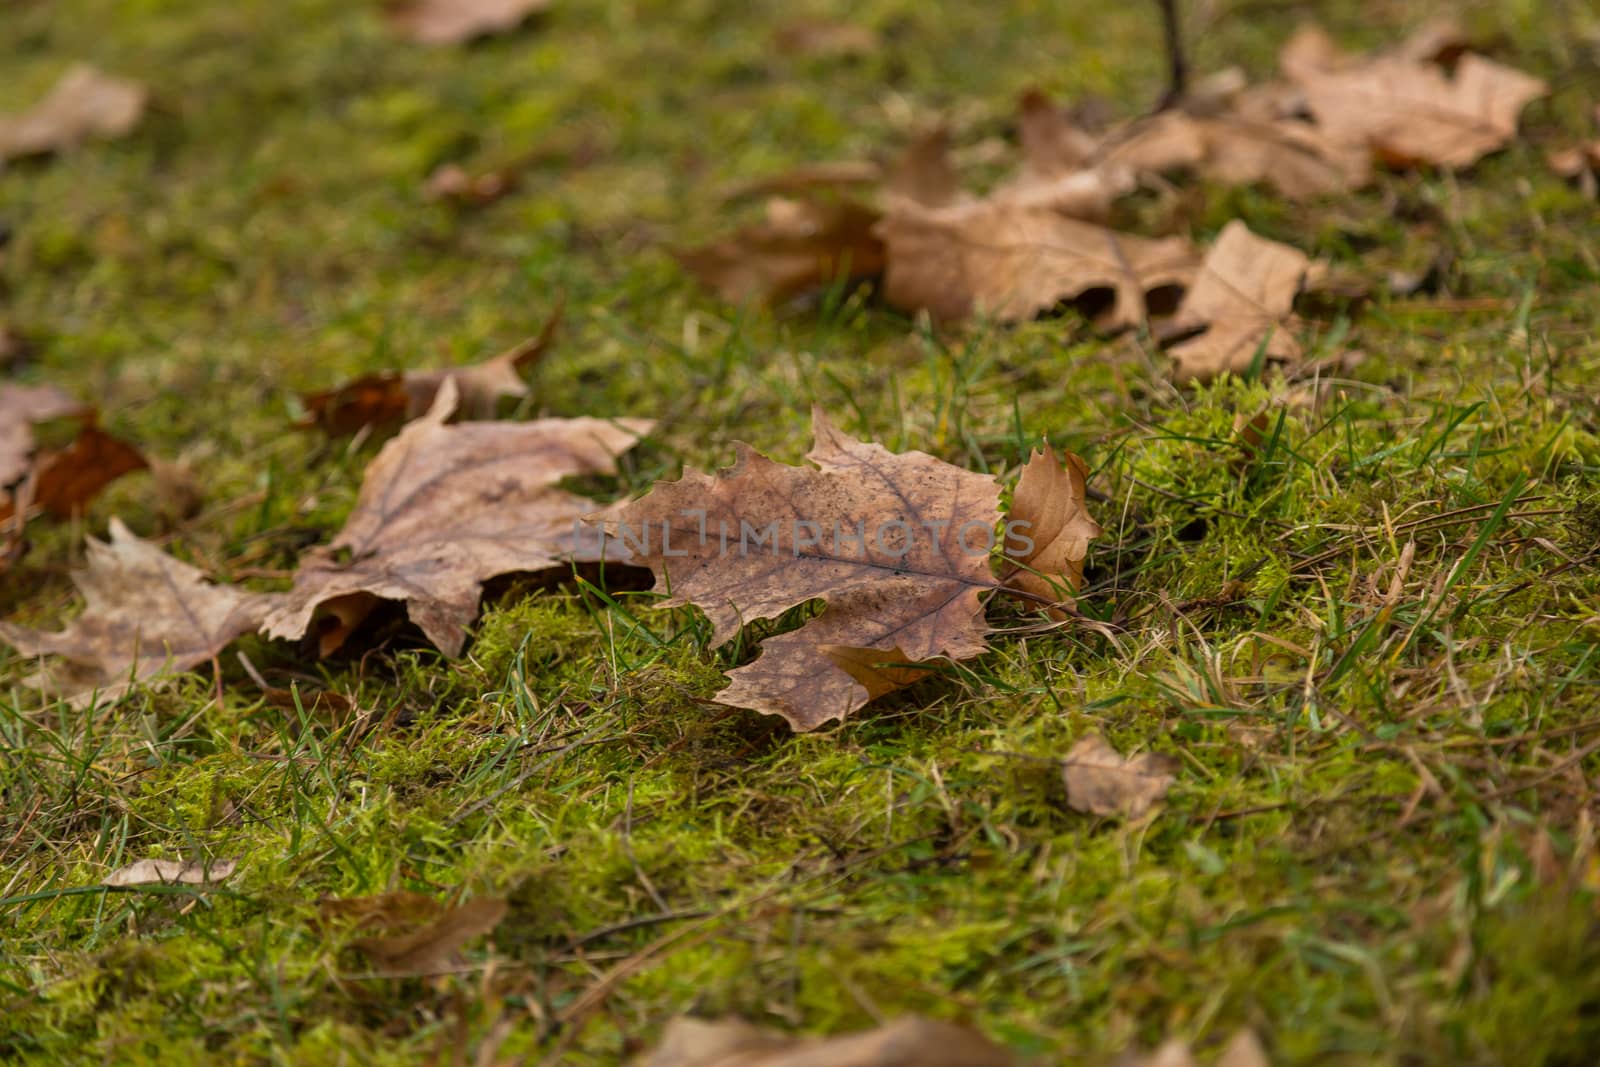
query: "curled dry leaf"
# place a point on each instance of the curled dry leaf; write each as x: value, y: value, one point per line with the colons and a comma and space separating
x: 84, y: 105
x: 145, y: 615
x: 65, y: 480
x: 434, y: 934
x: 456, y: 21
x: 1100, y: 782
x: 910, y: 1041
x: 59, y: 482
x: 170, y: 872
x: 806, y: 244
x: 897, y: 546
x: 389, y: 398
x: 1241, y: 299
x: 1049, y: 521
x: 1013, y: 262
x: 1403, y: 106
x: 802, y: 246
x: 444, y: 508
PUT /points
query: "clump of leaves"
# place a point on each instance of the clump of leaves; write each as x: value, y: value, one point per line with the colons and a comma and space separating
x: 84, y: 105
x: 442, y: 509
x: 896, y: 545
x: 146, y: 614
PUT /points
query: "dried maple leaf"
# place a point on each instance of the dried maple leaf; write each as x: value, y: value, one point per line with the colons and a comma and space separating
x: 1239, y: 148
x: 1050, y: 521
x: 444, y: 508
x: 392, y: 397
x: 1100, y: 782
x: 907, y: 589
x: 1409, y: 111
x: 802, y: 246
x: 145, y: 615
x: 83, y: 105
x: 1241, y: 300
x: 909, y: 1041
x: 1013, y: 262
x: 456, y: 21
x: 435, y: 946
x: 170, y: 872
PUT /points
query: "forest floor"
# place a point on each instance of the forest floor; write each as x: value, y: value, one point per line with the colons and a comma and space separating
x: 1378, y: 849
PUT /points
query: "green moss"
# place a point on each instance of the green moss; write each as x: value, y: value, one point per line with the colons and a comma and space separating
x: 1341, y: 863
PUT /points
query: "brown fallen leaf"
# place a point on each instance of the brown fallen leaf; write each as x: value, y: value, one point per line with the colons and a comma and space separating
x: 457, y: 21
x: 1014, y: 262
x: 809, y: 243
x: 145, y: 615
x: 389, y: 398
x: 64, y: 481
x: 1049, y: 520
x: 760, y: 538
x: 1242, y: 298
x: 84, y: 105
x: 1238, y: 148
x: 1100, y: 782
x: 910, y: 1041
x: 452, y: 182
x: 802, y: 246
x: 1409, y: 111
x: 1058, y: 169
x: 435, y: 946
x: 819, y: 38
x: 170, y: 872
x: 444, y: 508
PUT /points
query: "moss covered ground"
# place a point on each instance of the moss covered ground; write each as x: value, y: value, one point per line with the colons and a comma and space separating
x: 1378, y: 847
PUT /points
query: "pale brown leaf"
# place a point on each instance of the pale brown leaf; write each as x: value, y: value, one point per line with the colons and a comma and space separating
x: 907, y: 590
x: 1058, y: 170
x: 1101, y: 782
x: 1410, y: 112
x: 803, y: 246
x: 21, y: 407
x: 909, y: 1041
x: 84, y: 105
x: 1050, y: 525
x: 435, y: 946
x: 456, y: 21
x: 822, y: 38
x: 1013, y: 262
x: 389, y: 398
x: 1241, y: 299
x: 170, y: 872
x: 145, y: 615
x: 444, y: 508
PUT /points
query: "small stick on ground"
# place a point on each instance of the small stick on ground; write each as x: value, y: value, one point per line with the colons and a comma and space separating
x: 1177, y: 63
